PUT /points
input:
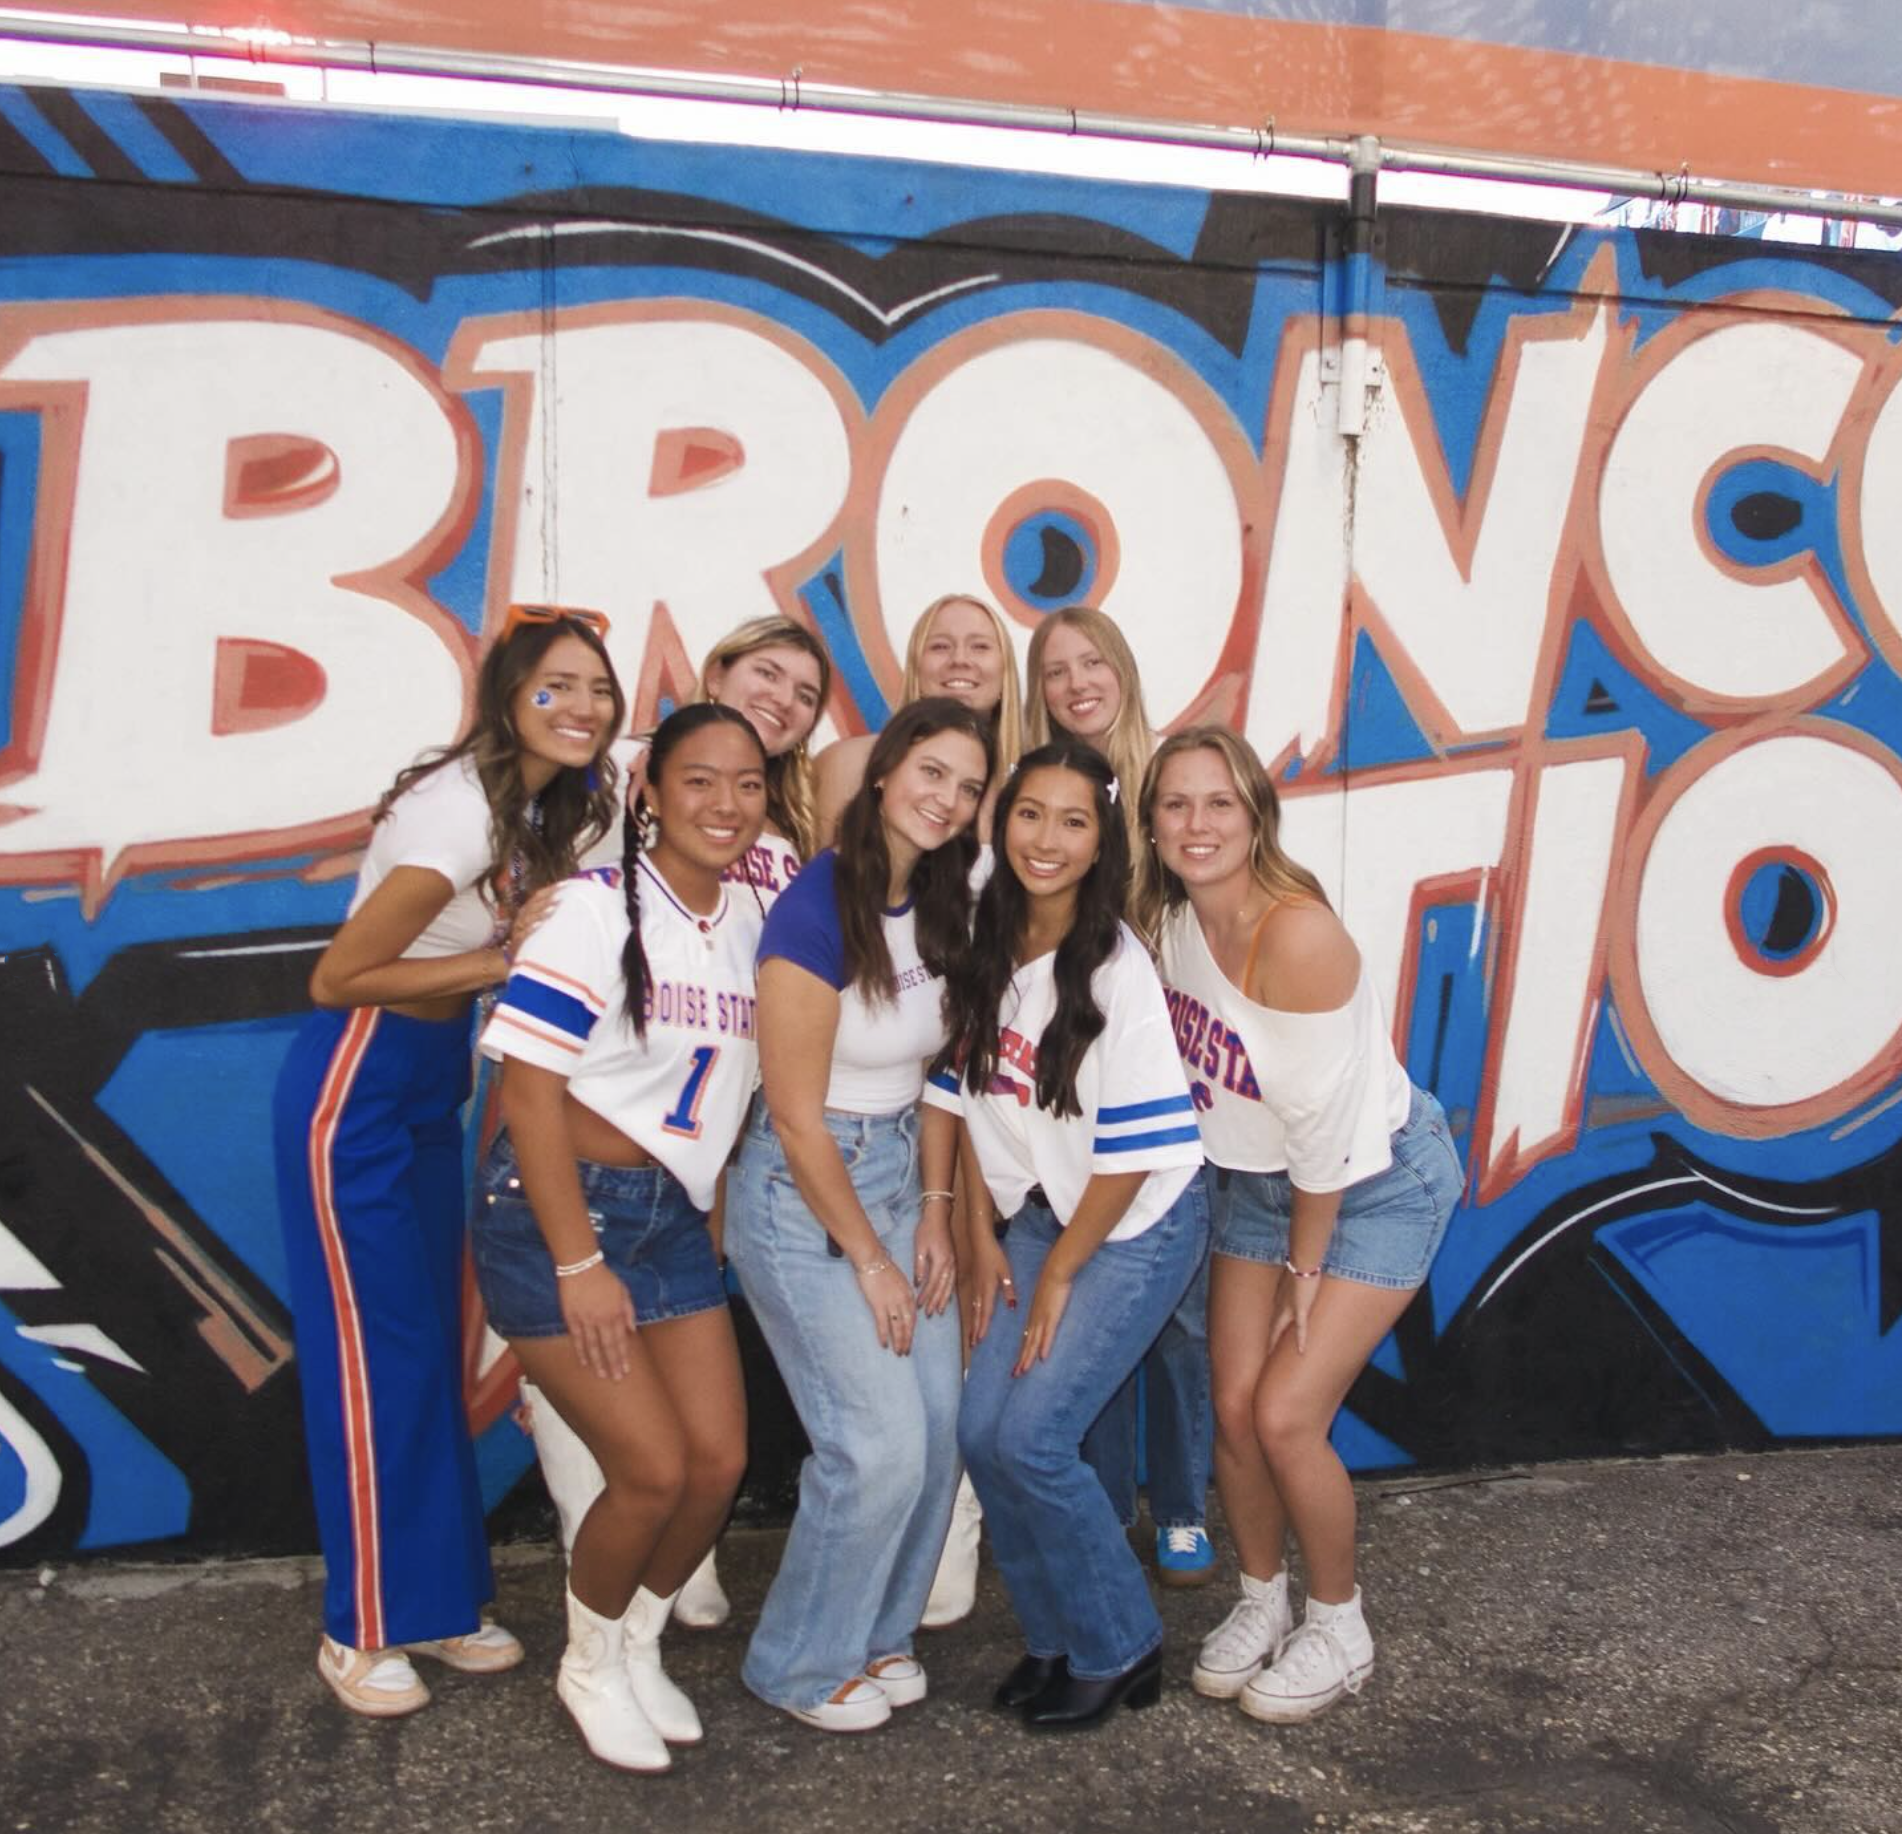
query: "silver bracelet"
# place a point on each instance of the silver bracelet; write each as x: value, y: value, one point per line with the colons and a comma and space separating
x: 564, y: 1271
x: 927, y: 1196
x: 872, y: 1267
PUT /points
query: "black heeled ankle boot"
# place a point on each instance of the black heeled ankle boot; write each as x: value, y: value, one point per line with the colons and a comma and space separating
x: 1027, y: 1680
x: 1069, y: 1704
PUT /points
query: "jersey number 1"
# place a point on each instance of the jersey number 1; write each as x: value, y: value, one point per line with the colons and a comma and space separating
x: 684, y: 1117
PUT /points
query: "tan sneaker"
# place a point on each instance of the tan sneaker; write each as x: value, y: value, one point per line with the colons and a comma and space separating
x: 378, y: 1683
x: 486, y: 1651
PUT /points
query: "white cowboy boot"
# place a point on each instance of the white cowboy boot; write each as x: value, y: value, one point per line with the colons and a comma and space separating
x: 661, y: 1700
x: 593, y: 1686
x: 568, y: 1467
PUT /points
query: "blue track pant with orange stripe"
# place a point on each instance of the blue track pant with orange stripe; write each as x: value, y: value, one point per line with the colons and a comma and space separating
x: 370, y: 1195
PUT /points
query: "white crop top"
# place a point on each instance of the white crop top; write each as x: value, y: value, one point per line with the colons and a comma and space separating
x: 1137, y: 1113
x: 1317, y: 1095
x: 682, y: 1093
x: 881, y: 1048
x: 440, y: 822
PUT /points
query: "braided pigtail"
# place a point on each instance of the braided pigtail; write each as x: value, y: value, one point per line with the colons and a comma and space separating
x: 634, y: 951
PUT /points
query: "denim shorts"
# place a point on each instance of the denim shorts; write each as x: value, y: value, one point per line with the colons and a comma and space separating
x: 654, y: 1239
x: 1389, y: 1226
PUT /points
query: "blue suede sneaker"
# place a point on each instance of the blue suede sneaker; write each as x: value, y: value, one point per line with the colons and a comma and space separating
x: 1184, y: 1556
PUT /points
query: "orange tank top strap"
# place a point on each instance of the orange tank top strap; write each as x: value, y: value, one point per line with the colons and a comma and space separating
x: 1261, y: 929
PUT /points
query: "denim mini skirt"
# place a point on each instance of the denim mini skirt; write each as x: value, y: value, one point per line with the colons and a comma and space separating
x: 1390, y: 1225
x: 654, y: 1240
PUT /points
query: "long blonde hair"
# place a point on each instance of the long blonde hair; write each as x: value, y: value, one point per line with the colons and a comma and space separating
x: 1158, y: 890
x: 790, y: 804
x: 1129, y: 740
x: 1007, y: 723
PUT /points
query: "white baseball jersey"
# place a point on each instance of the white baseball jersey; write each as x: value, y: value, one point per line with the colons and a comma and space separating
x: 1137, y: 1115
x: 682, y: 1092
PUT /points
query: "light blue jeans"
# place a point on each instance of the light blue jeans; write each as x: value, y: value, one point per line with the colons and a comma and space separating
x: 1077, y: 1589
x: 1180, y: 1434
x: 875, y: 1496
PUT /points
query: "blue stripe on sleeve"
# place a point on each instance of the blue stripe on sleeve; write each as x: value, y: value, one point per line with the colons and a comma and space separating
x: 942, y: 1079
x: 540, y: 1001
x: 1135, y: 1143
x: 1144, y: 1111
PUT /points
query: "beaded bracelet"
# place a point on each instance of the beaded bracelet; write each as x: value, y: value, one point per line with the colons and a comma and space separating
x: 1301, y: 1273
x: 566, y: 1271
x: 872, y: 1267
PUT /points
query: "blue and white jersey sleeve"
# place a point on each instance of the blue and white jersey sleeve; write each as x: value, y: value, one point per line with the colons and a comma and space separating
x: 943, y: 1090
x: 560, y: 986
x: 1145, y: 1119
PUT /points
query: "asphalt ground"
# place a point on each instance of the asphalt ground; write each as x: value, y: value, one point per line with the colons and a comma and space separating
x: 1684, y: 1645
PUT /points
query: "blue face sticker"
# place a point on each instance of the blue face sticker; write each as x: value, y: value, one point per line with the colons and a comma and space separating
x: 544, y: 697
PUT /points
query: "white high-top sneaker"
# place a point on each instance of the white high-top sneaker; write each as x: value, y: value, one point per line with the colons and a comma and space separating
x: 954, y: 1586
x: 593, y: 1686
x: 1253, y: 1633
x: 670, y: 1710
x: 568, y: 1468
x: 702, y: 1604
x: 1330, y: 1655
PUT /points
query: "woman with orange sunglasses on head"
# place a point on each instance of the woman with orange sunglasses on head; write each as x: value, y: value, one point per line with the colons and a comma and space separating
x: 369, y: 1150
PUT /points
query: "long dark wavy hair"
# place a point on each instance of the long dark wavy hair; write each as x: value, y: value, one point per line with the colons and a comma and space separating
x: 978, y: 989
x: 533, y: 840
x: 940, y: 883
x: 681, y: 724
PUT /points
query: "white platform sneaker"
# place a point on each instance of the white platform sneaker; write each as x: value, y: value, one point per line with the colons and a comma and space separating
x: 670, y: 1711
x: 954, y: 1586
x: 1234, y: 1652
x: 594, y: 1687
x: 1331, y: 1654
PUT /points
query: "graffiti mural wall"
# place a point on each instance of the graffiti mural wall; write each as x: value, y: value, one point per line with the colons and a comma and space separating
x: 1574, y: 628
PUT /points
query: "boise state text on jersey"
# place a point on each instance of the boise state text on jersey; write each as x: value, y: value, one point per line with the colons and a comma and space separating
x: 1210, y: 1048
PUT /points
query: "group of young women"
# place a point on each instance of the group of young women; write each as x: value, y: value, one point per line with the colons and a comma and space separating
x: 1078, y: 988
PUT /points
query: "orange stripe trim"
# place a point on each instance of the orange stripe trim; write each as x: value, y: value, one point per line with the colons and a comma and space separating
x: 542, y: 972
x: 504, y: 1016
x: 359, y: 1440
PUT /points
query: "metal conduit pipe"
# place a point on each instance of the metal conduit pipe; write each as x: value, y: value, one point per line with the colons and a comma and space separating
x: 790, y: 92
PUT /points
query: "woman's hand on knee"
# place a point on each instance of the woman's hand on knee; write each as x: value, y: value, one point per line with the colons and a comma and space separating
x: 1047, y: 1306
x: 935, y: 1266
x: 894, y: 1308
x: 1294, y: 1300
x: 990, y: 1285
x: 600, y: 1318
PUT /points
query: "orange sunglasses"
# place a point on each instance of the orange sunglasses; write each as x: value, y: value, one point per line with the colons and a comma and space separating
x: 518, y: 615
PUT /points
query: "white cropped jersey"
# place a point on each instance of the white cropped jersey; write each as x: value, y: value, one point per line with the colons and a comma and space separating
x: 441, y: 823
x: 681, y: 1093
x: 1317, y: 1095
x: 1137, y: 1115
